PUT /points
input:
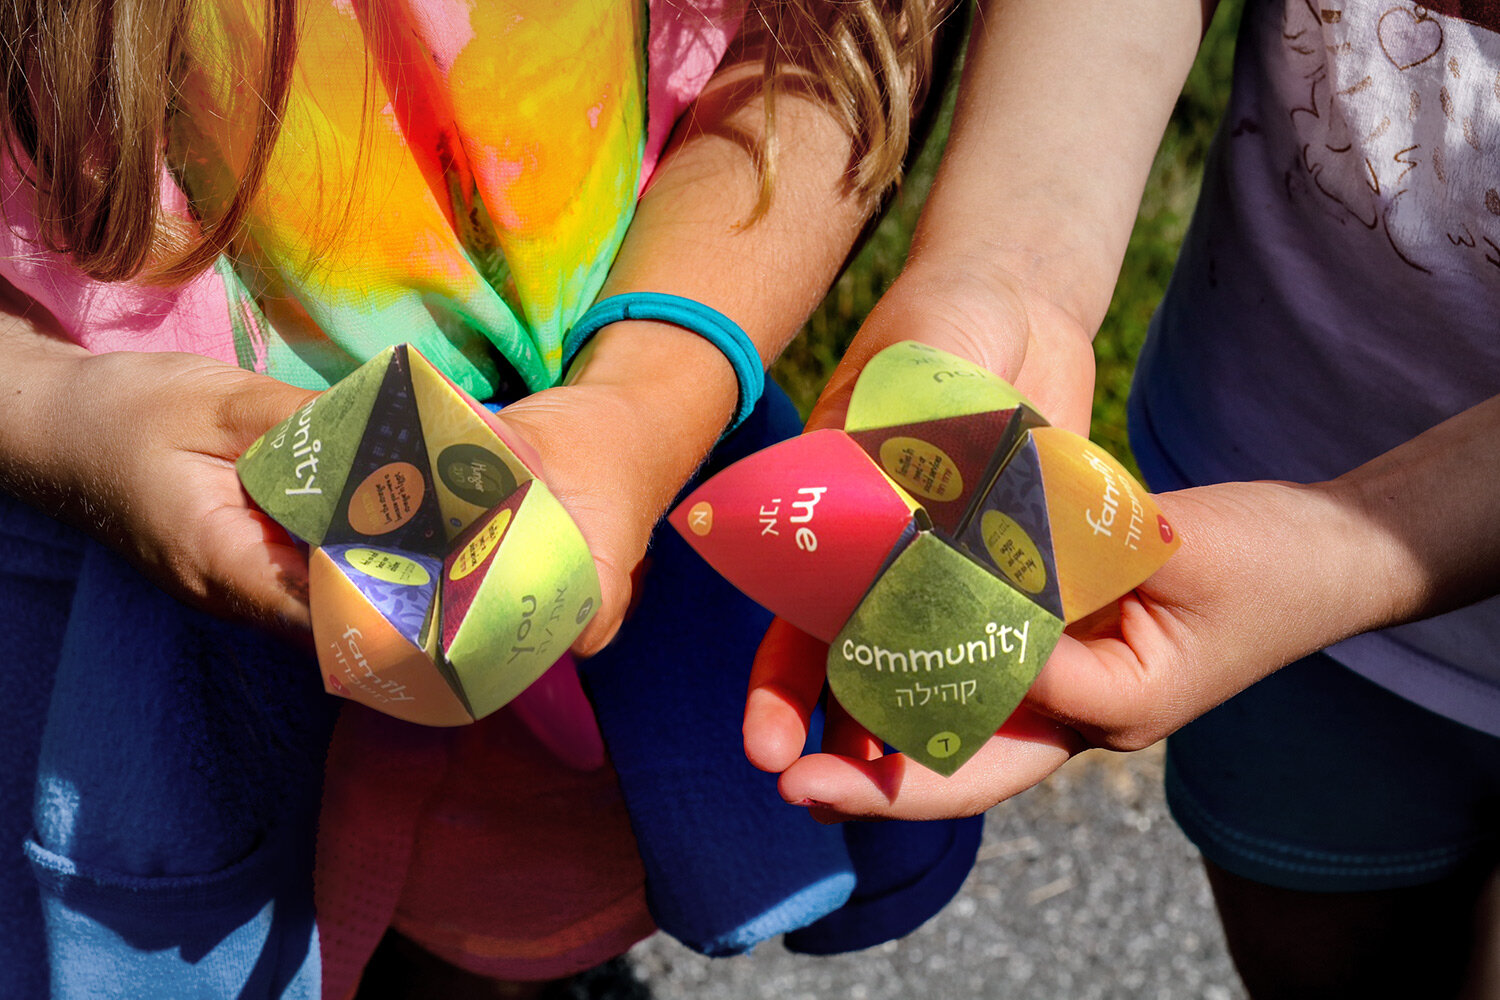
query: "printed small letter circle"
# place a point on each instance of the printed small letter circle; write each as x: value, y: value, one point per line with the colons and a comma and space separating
x: 944, y: 745
x: 701, y: 518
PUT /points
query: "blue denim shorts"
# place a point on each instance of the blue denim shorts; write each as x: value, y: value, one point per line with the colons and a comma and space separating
x: 1319, y: 780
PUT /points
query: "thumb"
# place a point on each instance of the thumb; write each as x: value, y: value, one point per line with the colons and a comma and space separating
x: 595, y: 493
x: 247, y: 404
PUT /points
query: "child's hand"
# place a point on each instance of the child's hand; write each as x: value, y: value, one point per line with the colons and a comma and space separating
x: 1012, y: 266
x: 1248, y: 592
x: 138, y: 450
x: 974, y: 311
x: 1267, y: 573
x: 987, y: 315
x: 617, y: 445
x: 594, y: 451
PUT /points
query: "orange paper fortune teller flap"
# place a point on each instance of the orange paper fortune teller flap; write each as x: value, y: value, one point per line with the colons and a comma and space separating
x: 939, y: 543
x: 445, y: 577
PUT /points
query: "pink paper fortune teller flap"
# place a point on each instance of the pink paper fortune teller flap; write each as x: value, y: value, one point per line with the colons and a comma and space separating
x: 801, y: 527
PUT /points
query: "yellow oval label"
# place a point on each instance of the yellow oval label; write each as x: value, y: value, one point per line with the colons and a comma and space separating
x: 388, y: 498
x: 944, y: 745
x: 921, y: 467
x: 478, y: 549
x: 1016, y: 555
x: 388, y: 566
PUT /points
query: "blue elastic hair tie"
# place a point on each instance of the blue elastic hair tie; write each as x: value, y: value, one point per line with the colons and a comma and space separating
x: 710, y: 324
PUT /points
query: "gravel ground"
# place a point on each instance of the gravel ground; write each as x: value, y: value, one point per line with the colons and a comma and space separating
x: 1084, y: 890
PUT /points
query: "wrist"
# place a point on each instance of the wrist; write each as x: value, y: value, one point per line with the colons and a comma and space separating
x: 37, y: 444
x: 1305, y: 565
x: 1374, y: 581
x: 724, y: 334
x: 1070, y: 268
x: 676, y: 391
x: 1393, y: 530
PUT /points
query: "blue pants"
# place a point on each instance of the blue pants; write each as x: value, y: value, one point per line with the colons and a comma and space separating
x: 164, y: 773
x: 175, y: 765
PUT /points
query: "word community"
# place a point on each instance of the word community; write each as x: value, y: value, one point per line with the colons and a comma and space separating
x: 999, y: 639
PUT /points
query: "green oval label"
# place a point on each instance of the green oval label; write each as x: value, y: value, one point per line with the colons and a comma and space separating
x: 944, y: 745
x: 475, y: 474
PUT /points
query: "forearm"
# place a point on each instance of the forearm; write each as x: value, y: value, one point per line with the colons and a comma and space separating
x: 1405, y: 536
x: 1432, y: 507
x: 1014, y: 259
x: 1270, y: 572
x: 690, y: 237
x: 37, y: 458
x: 1059, y: 115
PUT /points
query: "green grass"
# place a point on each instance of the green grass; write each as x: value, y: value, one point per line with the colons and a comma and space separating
x: 1166, y: 206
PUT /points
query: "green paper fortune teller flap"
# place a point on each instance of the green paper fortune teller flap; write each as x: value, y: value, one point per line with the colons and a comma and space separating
x: 444, y: 576
x: 938, y: 544
x: 939, y: 653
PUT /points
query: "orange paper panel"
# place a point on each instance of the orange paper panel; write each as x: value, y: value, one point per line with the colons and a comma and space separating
x: 365, y: 659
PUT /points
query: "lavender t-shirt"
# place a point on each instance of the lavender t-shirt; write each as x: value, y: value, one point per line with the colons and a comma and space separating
x: 1338, y: 292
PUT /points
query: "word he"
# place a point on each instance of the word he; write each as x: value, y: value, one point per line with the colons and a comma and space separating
x: 305, y: 447
x: 961, y: 693
x: 380, y: 688
x: 914, y: 660
x: 1104, y: 524
x: 931, y: 357
x: 941, y: 377
x: 804, y: 537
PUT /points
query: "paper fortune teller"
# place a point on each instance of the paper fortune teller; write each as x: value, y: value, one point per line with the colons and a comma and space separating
x: 445, y: 577
x: 938, y: 543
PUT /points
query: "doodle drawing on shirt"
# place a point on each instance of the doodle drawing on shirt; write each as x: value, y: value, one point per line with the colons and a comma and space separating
x: 1397, y: 112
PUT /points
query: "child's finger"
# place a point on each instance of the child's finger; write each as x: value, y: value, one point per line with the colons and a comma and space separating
x: 843, y: 736
x: 615, y: 590
x: 1098, y: 685
x: 263, y: 573
x: 785, y: 683
x: 246, y: 405
x: 1128, y: 689
x: 1026, y: 750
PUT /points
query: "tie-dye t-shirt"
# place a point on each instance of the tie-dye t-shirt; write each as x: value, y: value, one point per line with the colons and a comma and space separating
x: 458, y: 174
x: 1339, y: 290
x: 454, y: 174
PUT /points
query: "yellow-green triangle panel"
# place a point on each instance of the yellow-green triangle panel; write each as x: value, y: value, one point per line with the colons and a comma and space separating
x: 911, y: 383
x: 297, y: 470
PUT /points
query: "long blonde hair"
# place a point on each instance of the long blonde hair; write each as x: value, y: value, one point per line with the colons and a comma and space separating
x: 870, y: 61
x: 89, y: 87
